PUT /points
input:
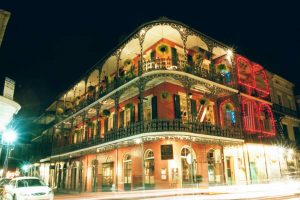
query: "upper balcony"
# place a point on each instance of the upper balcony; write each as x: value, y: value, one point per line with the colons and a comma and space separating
x: 284, y: 110
x: 162, y: 45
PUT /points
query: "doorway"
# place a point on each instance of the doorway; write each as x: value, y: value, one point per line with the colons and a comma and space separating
x: 108, y: 176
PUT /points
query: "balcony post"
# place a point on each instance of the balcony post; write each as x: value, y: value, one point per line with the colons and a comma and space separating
x: 98, y: 121
x: 187, y: 87
x: 72, y: 131
x: 84, y: 126
x: 141, y: 87
x: 141, y: 37
x: 116, y: 98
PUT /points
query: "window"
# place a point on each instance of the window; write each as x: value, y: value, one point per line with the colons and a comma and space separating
x: 279, y: 99
x: 111, y: 121
x: 127, y: 117
x: 289, y: 103
x: 149, y: 167
x: 285, y: 131
x: 127, y: 169
x: 147, y: 109
x: 183, y: 106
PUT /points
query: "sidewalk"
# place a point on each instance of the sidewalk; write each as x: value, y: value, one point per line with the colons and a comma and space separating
x: 253, y: 191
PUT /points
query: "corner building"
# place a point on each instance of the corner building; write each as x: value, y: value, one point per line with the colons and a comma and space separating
x: 168, y: 108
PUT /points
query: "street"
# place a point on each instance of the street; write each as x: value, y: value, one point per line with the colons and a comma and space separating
x: 280, y: 190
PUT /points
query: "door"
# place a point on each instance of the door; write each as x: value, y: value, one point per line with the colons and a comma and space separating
x: 107, y: 178
x: 229, y: 170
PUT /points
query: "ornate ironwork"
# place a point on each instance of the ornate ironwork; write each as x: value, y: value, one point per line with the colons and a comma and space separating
x: 155, y: 126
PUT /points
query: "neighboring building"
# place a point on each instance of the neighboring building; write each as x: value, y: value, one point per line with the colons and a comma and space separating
x: 284, y: 106
x: 190, y: 109
x: 4, y: 17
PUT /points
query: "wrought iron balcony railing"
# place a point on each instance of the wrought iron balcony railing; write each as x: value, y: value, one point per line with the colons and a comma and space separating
x: 181, y: 65
x: 284, y: 110
x: 154, y: 126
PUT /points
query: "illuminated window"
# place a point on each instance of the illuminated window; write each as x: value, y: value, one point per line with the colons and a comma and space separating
x: 111, y: 121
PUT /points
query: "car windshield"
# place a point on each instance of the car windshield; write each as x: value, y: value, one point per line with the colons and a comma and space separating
x: 4, y: 182
x: 30, y: 183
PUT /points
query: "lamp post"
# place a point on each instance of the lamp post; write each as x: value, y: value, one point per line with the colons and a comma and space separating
x: 8, y: 138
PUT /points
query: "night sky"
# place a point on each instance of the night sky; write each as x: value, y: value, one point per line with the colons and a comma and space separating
x: 48, y: 45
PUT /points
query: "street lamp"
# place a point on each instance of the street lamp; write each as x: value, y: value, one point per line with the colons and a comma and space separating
x: 8, y: 138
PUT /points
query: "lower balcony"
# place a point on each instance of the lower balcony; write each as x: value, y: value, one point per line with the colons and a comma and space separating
x: 154, y: 126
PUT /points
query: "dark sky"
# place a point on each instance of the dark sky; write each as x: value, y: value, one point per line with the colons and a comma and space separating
x: 48, y: 45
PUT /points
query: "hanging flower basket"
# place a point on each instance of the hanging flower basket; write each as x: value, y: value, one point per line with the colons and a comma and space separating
x: 204, y: 101
x: 165, y: 95
x: 163, y: 49
x: 127, y: 63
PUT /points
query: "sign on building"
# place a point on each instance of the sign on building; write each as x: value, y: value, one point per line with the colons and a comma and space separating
x: 9, y: 88
x: 166, y: 151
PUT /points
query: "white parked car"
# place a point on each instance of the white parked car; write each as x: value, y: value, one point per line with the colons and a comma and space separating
x: 25, y: 188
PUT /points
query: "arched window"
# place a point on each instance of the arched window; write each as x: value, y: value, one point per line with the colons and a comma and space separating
x: 189, y: 165
x: 227, y: 112
x: 127, y: 172
x: 149, y: 168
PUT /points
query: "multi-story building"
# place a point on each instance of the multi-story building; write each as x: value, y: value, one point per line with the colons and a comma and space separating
x: 4, y: 17
x: 169, y: 107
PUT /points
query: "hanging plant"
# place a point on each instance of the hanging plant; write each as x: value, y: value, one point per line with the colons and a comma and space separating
x: 127, y: 63
x: 204, y: 101
x: 165, y: 95
x: 106, y: 112
x: 129, y: 106
x: 163, y: 49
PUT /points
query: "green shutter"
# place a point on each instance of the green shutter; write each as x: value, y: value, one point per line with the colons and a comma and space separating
x: 122, y: 118
x: 193, y: 109
x: 132, y: 114
x: 152, y: 55
x: 177, y: 106
x: 140, y: 104
x: 190, y: 60
x: 105, y: 125
x: 174, y: 56
x: 154, y: 107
